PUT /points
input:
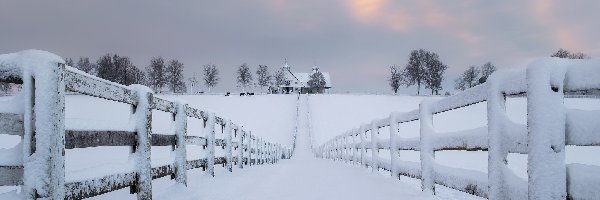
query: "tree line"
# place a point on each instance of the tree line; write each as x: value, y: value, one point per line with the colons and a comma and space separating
x: 167, y: 75
x: 424, y: 68
x: 161, y: 75
x: 272, y: 82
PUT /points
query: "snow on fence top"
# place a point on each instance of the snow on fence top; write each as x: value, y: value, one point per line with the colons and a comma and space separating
x: 38, y: 162
x: 550, y: 126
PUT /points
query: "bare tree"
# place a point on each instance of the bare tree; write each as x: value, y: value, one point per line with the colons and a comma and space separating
x: 105, y: 67
x: 69, y: 62
x: 211, y: 76
x: 263, y: 77
x: 280, y: 78
x: 468, y: 79
x: 434, y: 74
x: 119, y: 69
x: 414, y: 72
x: 85, y: 65
x: 193, y: 80
x: 486, y: 70
x: 134, y: 75
x: 175, y: 76
x: 396, y: 79
x: 563, y: 53
x: 244, y: 77
x: 157, y: 74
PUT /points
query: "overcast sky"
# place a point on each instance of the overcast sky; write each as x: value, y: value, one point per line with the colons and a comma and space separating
x: 354, y: 40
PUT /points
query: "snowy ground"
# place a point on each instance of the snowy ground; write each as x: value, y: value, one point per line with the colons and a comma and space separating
x: 302, y: 177
x: 274, y: 117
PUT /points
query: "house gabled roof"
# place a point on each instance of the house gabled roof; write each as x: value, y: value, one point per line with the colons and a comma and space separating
x: 299, y: 80
x: 305, y: 77
x: 294, y: 80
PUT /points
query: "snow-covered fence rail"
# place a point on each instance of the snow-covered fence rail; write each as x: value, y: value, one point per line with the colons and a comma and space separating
x: 37, y: 115
x: 550, y: 126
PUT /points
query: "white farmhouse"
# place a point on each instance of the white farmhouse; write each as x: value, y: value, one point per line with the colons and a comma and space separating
x: 298, y: 82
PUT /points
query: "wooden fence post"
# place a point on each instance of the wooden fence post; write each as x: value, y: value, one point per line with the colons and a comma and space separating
x: 228, y: 146
x: 180, y: 151
x: 546, y: 118
x: 336, y: 148
x: 241, y: 147
x: 262, y: 151
x: 498, y: 141
x: 143, y: 115
x: 346, y: 149
x: 427, y: 153
x: 44, y: 133
x: 210, y: 144
x: 374, y: 147
x: 259, y: 151
x: 363, y: 148
x: 250, y: 148
x: 271, y: 153
x: 279, y: 152
x: 394, y: 152
x: 268, y: 153
x: 355, y: 148
x: 271, y: 158
x: 339, y: 147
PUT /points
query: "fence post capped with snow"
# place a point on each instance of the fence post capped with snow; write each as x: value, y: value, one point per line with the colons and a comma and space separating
x: 180, y: 134
x: 374, y: 146
x: 42, y: 75
x: 394, y: 154
x: 210, y: 138
x: 143, y: 128
x: 546, y: 124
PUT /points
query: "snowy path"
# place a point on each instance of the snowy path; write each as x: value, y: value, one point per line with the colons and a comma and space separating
x: 302, y: 177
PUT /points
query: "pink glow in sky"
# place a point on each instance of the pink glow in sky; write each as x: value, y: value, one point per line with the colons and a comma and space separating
x: 355, y: 40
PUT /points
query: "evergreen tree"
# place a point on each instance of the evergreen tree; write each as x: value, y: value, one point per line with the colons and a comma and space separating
x: 317, y: 82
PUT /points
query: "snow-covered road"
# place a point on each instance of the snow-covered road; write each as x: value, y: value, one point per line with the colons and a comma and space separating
x: 302, y: 177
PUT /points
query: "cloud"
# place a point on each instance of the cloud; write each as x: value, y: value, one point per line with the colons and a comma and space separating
x: 378, y: 12
x: 422, y: 15
x: 565, y: 35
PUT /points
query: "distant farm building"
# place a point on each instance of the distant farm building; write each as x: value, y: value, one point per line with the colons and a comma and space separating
x: 298, y: 82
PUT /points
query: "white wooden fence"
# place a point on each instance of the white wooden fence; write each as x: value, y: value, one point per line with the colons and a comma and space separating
x: 45, y: 138
x: 550, y: 126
